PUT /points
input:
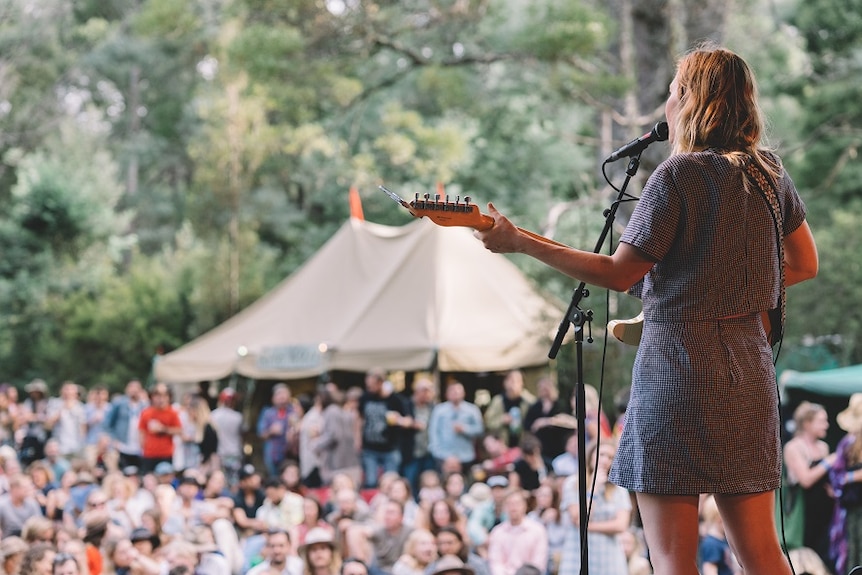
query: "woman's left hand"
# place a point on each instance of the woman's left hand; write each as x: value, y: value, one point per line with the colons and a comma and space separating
x: 503, y: 237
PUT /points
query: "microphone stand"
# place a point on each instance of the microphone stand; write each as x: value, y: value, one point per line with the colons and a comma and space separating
x: 578, y: 317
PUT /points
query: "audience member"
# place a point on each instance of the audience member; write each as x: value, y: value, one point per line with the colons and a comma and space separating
x: 716, y: 556
x: 312, y: 520
x: 34, y: 419
x: 517, y: 541
x: 807, y: 461
x: 310, y: 429
x: 247, y: 500
x: 67, y: 421
x: 610, y: 515
x: 66, y: 564
x: 547, y: 512
x: 354, y: 566
x: 121, y: 423
x: 420, y: 551
x: 499, y: 457
x: 319, y: 553
x: 454, y: 426
x: 38, y: 560
x: 566, y: 463
x: 281, y: 509
x: 487, y: 515
x: 506, y: 412
x: 278, y: 426
x: 229, y: 427
x: 17, y: 505
x: 846, y: 480
x: 541, y: 419
x: 450, y: 542
x: 279, y: 558
x: 340, y: 442
x: 380, y: 545
x: 12, y: 550
x: 451, y: 565
x: 532, y: 468
x: 158, y: 424
x: 416, y: 457
x: 443, y: 513
x: 381, y: 413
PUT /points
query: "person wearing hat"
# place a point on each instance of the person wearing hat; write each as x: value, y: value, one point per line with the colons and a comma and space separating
x: 34, y: 415
x: 845, y: 476
x: 229, y: 427
x: 12, y: 549
x: 490, y: 513
x: 451, y: 565
x: 319, y: 553
x: 248, y: 499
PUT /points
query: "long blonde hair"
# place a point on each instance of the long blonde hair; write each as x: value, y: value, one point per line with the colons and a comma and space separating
x: 718, y: 108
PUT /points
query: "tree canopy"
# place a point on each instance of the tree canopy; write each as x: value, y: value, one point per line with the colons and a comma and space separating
x: 163, y: 163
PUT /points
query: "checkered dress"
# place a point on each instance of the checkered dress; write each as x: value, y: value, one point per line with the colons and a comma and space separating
x: 703, y: 415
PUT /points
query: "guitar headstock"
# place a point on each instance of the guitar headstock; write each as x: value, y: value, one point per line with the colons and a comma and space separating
x: 444, y: 212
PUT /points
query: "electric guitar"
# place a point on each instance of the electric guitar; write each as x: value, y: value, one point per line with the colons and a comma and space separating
x: 444, y: 212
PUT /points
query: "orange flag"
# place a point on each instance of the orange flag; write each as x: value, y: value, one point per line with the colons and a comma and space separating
x: 355, y: 204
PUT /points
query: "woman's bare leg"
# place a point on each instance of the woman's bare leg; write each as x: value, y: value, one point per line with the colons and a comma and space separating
x: 671, y: 531
x: 749, y: 523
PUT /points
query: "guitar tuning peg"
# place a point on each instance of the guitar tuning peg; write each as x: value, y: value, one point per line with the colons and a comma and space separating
x: 436, y: 197
x: 457, y: 199
x: 427, y: 196
x: 467, y: 200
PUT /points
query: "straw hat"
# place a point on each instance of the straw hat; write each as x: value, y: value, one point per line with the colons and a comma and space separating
x: 317, y: 535
x: 451, y: 564
x: 37, y: 385
x: 12, y: 545
x: 850, y: 419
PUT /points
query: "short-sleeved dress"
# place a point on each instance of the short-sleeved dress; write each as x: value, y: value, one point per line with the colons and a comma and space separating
x: 703, y: 414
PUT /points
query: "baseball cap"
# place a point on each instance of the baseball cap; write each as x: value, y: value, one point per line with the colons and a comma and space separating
x: 497, y: 481
x: 164, y: 468
x: 247, y: 471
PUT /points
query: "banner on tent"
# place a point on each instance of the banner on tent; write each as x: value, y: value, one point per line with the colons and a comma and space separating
x: 290, y: 357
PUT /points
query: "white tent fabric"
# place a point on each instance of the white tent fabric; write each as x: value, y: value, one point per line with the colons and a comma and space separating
x: 415, y: 297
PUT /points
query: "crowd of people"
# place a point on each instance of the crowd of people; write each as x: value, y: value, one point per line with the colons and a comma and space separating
x: 364, y: 481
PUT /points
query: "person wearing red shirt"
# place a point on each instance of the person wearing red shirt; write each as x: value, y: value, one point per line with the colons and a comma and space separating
x: 158, y: 425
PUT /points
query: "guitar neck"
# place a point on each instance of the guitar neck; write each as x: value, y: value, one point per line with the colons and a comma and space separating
x: 449, y: 215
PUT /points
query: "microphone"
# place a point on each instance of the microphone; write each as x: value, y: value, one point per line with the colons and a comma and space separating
x: 659, y: 133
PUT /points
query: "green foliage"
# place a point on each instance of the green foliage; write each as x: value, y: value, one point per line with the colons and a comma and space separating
x: 163, y: 163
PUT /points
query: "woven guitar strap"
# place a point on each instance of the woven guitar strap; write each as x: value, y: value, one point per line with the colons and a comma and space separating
x: 767, y: 190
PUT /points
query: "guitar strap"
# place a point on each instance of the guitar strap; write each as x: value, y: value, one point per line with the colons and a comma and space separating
x: 766, y: 188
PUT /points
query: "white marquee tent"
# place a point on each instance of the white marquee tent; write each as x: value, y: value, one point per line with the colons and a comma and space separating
x: 415, y: 297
